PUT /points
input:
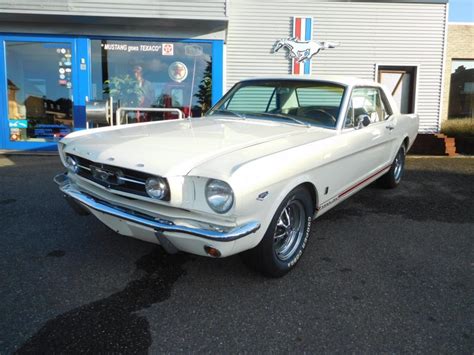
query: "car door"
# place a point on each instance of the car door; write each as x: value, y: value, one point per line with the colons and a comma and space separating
x: 368, y: 148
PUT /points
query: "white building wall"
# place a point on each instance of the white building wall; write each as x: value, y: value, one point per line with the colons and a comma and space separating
x: 190, y: 9
x: 369, y: 33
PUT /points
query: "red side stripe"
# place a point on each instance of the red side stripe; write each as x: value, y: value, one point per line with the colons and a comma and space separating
x: 365, y: 180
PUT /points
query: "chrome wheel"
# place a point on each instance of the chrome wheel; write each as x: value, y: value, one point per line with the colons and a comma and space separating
x: 287, y: 235
x: 398, y: 168
x: 289, y: 230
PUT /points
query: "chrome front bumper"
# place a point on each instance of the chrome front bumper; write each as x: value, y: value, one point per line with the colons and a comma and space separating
x: 159, y: 225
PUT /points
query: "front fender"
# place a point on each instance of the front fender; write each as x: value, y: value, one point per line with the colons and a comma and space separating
x: 293, y: 183
x: 264, y: 209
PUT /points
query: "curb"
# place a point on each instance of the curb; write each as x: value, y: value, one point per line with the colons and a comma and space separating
x: 458, y: 156
x: 27, y: 153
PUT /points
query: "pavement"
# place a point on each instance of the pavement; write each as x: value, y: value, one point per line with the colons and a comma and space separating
x: 385, y: 271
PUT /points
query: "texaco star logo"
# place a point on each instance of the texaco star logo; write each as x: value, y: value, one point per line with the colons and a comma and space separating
x: 178, y: 71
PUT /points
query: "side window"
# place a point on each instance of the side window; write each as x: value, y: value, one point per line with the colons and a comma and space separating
x: 367, y: 101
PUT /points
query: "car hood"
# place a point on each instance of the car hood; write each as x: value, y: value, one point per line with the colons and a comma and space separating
x: 175, y: 147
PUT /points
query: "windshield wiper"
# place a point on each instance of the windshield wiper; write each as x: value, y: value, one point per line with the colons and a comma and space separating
x: 239, y: 115
x: 279, y: 115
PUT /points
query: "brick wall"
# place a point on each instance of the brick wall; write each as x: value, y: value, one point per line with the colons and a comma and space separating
x: 460, y: 45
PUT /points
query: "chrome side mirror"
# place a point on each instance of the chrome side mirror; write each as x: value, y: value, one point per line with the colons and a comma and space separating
x: 362, y: 121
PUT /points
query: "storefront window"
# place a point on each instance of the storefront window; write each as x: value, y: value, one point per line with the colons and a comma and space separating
x: 461, y: 95
x: 39, y: 90
x: 147, y: 74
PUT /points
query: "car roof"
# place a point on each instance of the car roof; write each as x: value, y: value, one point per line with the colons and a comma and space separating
x: 337, y: 79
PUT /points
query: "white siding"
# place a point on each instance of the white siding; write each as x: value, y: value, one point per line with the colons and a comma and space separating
x: 370, y: 33
x: 199, y: 9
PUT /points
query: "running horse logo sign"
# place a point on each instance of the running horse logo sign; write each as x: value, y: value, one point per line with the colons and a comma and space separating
x: 301, y: 47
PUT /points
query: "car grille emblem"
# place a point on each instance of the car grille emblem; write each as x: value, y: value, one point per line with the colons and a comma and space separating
x: 111, y: 177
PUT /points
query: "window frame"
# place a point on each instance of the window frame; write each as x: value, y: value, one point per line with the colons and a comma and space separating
x: 77, y: 78
x: 414, y: 67
x: 450, y: 87
x: 83, y: 83
x: 383, y: 99
x: 249, y: 82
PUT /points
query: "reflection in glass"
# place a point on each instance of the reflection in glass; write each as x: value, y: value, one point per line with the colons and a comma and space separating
x: 300, y: 101
x: 145, y: 74
x: 461, y: 95
x: 39, y: 77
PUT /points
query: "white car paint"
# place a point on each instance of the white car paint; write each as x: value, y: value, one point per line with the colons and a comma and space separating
x: 252, y: 156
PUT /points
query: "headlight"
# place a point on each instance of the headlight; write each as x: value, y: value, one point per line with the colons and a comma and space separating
x: 156, y: 187
x: 219, y: 196
x: 72, y: 165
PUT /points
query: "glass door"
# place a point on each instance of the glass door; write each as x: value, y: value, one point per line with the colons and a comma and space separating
x: 40, y: 85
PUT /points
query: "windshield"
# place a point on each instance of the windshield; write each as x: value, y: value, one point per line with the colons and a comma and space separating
x: 304, y: 102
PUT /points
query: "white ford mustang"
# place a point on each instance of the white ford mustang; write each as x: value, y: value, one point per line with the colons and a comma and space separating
x: 272, y: 155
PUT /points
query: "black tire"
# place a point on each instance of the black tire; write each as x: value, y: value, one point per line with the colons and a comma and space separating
x: 394, y: 176
x: 276, y: 254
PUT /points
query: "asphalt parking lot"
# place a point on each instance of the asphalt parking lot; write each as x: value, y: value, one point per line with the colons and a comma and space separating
x: 386, y: 271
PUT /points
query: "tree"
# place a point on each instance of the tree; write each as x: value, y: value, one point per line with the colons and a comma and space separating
x: 204, y: 92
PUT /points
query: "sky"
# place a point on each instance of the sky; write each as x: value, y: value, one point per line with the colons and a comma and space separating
x: 461, y: 10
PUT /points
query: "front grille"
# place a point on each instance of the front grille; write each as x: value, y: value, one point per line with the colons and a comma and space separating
x: 114, y: 177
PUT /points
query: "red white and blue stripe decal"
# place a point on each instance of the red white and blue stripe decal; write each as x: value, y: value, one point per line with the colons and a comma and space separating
x: 303, y: 31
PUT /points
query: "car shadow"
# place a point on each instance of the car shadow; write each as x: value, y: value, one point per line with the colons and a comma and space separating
x: 423, y: 195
